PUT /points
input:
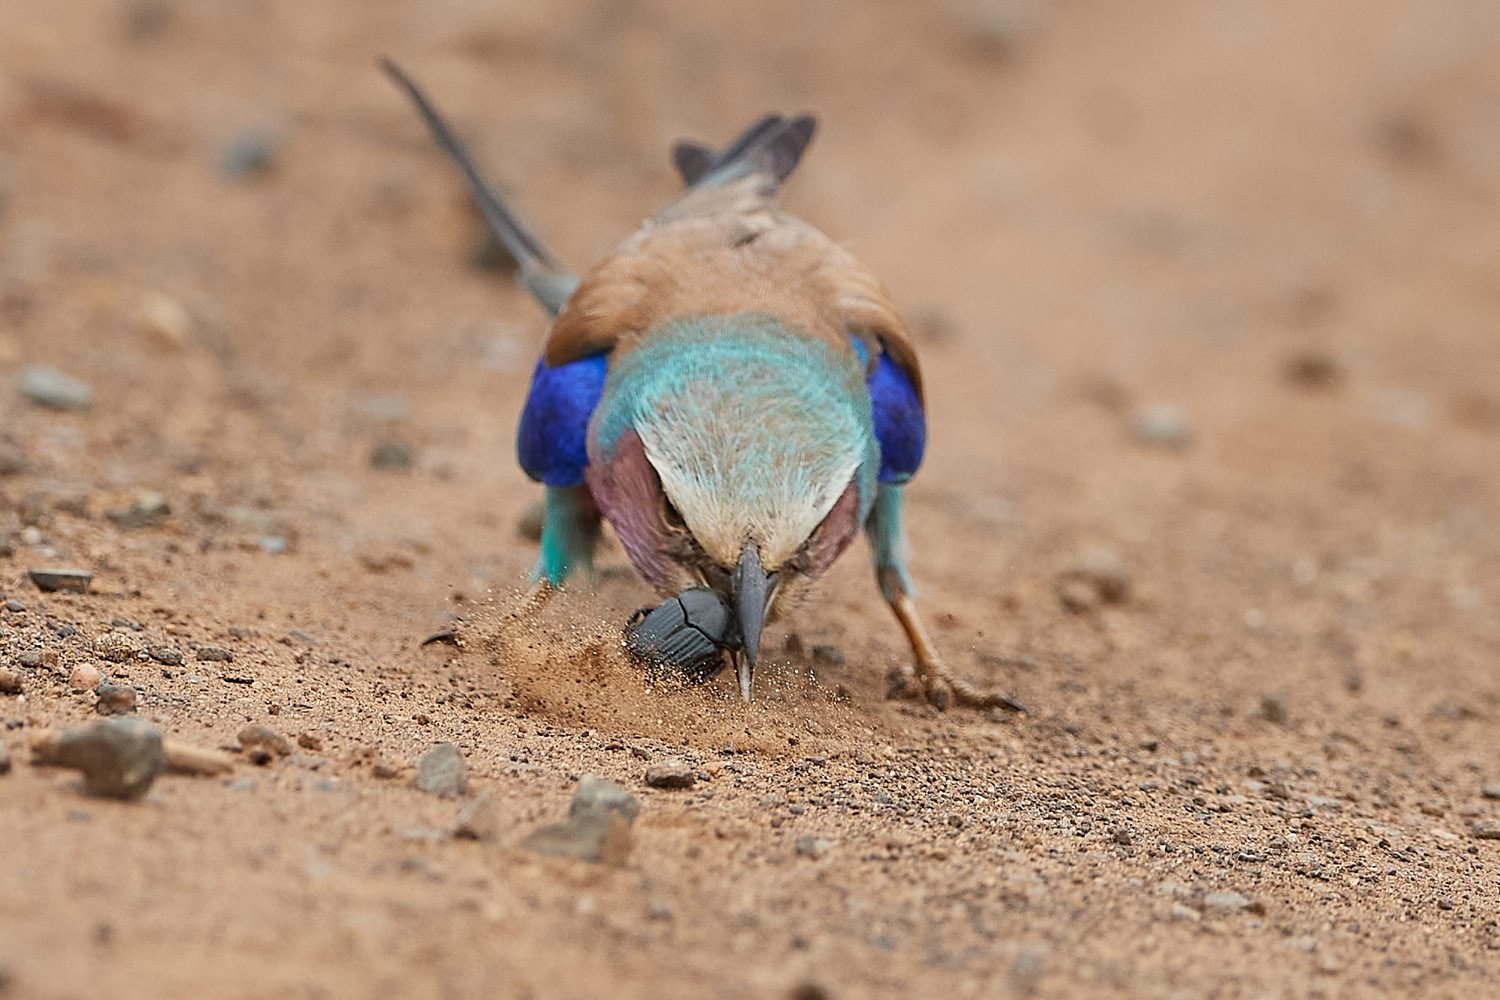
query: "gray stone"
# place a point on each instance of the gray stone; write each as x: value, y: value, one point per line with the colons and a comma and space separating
x: 46, y: 386
x: 479, y: 820
x: 50, y: 580
x: 166, y: 657
x: 1163, y: 425
x: 393, y: 455
x: 812, y: 846
x: 119, y: 758
x: 14, y: 606
x: 254, y: 737
x: 599, y: 837
x: 215, y: 654
x: 1486, y: 829
x: 1225, y: 902
x: 670, y: 774
x: 1490, y: 789
x: 114, y: 699
x: 248, y: 153
x: 442, y: 772
x: 594, y: 794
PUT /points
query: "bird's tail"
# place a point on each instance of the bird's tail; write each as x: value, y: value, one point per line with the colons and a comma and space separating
x: 549, y: 282
x: 772, y: 145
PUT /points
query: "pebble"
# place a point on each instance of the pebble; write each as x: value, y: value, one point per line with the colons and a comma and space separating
x: 115, y: 699
x: 1273, y: 707
x: 479, y: 820
x: 215, y: 654
x: 114, y: 647
x: 119, y: 758
x: 51, y: 580
x: 46, y: 386
x: 1225, y: 902
x: 1486, y: 829
x: 147, y: 510
x: 442, y: 772
x: 391, y: 455
x: 166, y: 657
x: 597, y: 829
x: 15, y: 606
x: 1097, y: 576
x: 10, y: 682
x: 1163, y: 425
x: 385, y: 770
x: 268, y: 742
x: 670, y: 774
x: 594, y: 794
x: 13, y: 460
x: 248, y: 153
x: 1490, y: 790
x: 165, y: 322
x: 812, y: 846
x: 530, y: 524
x: 828, y: 656
x: 308, y: 741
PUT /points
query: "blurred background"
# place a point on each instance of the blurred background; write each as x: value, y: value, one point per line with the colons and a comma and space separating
x: 1207, y: 294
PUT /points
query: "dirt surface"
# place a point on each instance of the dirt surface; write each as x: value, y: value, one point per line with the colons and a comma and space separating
x: 1214, y: 288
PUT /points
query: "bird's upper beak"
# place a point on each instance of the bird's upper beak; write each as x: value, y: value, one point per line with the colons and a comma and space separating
x: 753, y: 592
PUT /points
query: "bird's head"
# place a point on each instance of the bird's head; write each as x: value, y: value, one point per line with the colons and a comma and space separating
x: 732, y: 453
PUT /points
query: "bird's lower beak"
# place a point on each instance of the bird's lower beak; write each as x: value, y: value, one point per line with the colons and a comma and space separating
x: 751, y: 589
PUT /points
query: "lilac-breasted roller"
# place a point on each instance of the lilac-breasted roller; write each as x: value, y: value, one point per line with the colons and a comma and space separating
x: 731, y: 390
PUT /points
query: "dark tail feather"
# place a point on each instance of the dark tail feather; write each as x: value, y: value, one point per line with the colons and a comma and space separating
x: 548, y: 281
x: 772, y: 144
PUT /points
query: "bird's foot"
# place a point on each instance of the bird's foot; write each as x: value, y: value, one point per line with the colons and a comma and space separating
x: 929, y: 676
x: 931, y: 680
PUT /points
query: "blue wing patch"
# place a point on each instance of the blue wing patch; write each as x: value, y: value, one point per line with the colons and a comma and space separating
x: 551, y: 442
x: 900, y: 424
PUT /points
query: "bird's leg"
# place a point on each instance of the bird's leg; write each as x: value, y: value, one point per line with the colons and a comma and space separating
x: 938, y: 684
x: 570, y: 530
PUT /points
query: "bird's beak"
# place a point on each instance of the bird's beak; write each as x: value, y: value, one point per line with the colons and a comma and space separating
x: 751, y: 589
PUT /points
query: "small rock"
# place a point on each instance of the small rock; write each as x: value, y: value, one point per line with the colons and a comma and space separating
x: 46, y: 386
x: 119, y: 758
x: 385, y: 770
x: 165, y: 322
x: 479, y: 820
x: 114, y: 647
x: 1121, y: 836
x: 248, y: 153
x: 147, y: 510
x: 599, y: 837
x: 14, y: 606
x: 10, y: 682
x: 1273, y: 707
x: 596, y: 794
x: 51, y: 580
x: 1486, y: 829
x: 828, y: 656
x: 115, y: 699
x: 166, y: 657
x: 670, y: 774
x: 442, y: 772
x: 13, y: 460
x: 1225, y: 902
x: 532, y: 519
x: 1313, y: 370
x: 391, y: 455
x: 1490, y: 790
x: 1180, y: 912
x: 270, y: 742
x: 1096, y: 577
x: 308, y: 741
x: 1163, y: 425
x: 215, y: 654
x: 597, y: 828
x: 812, y: 846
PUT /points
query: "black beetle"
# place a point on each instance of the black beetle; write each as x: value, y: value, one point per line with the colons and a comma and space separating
x: 689, y: 632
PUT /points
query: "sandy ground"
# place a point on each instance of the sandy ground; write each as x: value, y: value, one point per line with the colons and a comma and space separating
x: 1259, y: 774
